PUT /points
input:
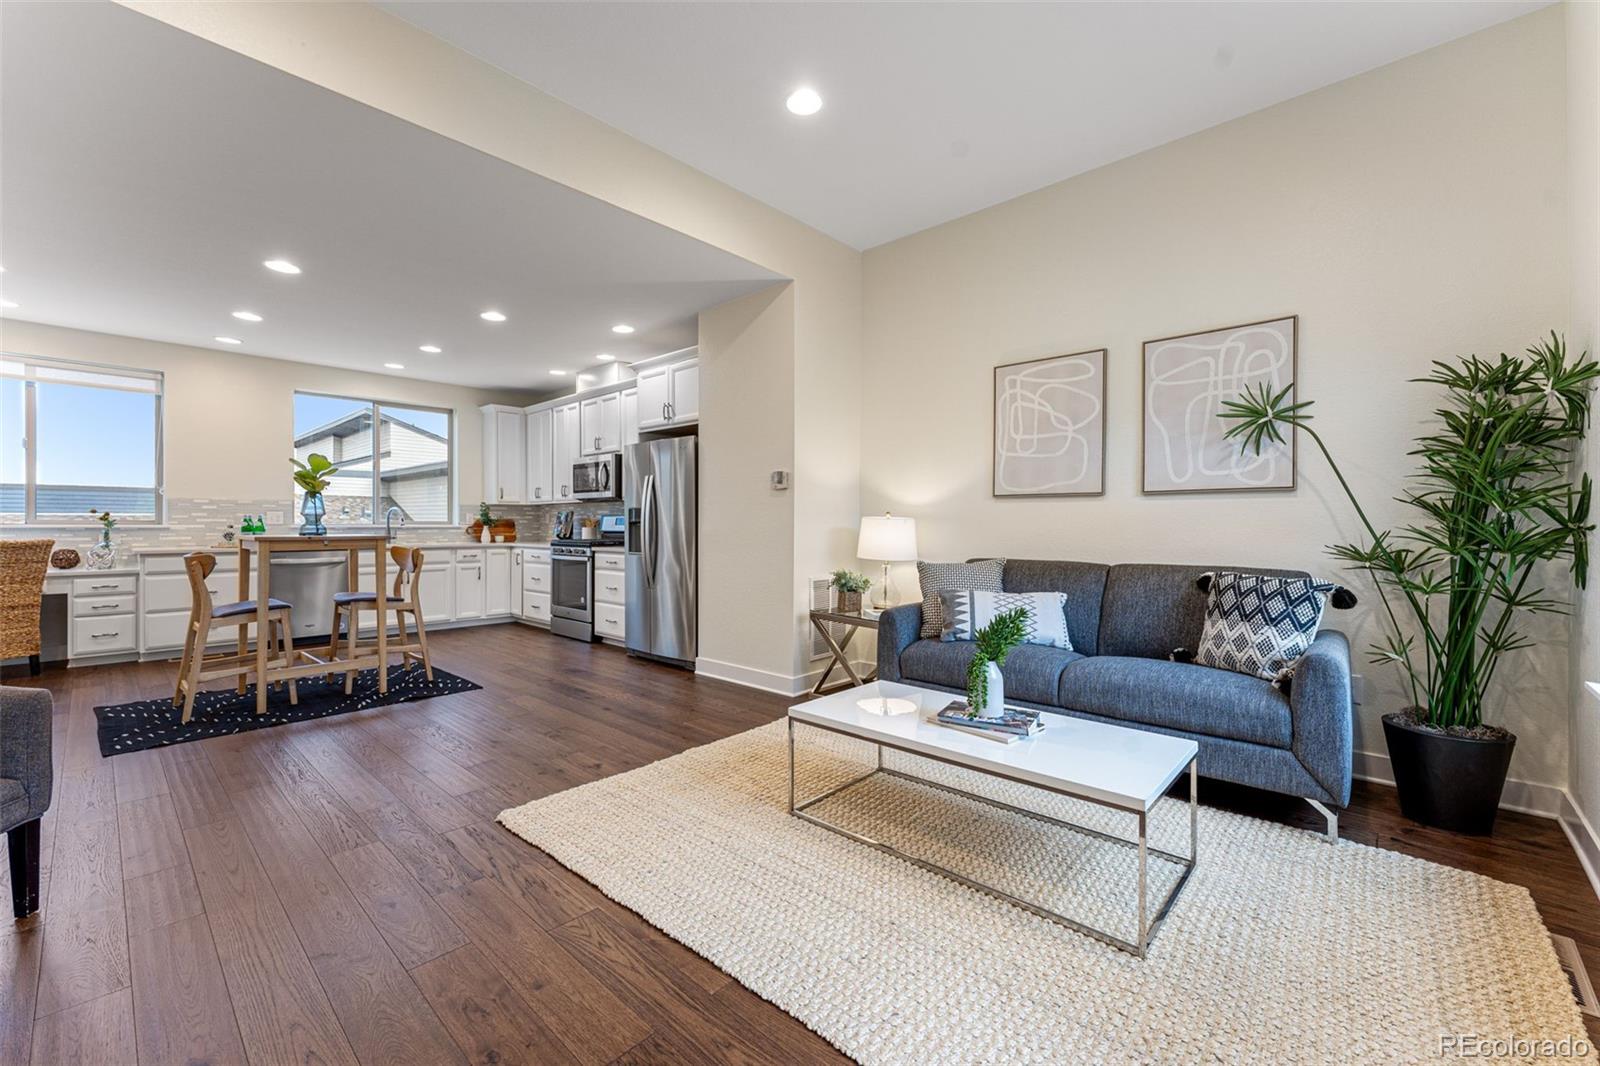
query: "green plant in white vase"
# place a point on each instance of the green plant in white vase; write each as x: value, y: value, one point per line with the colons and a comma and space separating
x: 986, y: 689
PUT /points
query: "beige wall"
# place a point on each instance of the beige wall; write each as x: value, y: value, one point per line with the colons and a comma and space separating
x: 1414, y: 212
x: 1583, y: 146
x: 230, y: 418
x: 368, y: 55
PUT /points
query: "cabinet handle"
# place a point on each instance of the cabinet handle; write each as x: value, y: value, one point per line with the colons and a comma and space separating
x: 98, y: 588
x: 102, y: 636
x: 102, y: 607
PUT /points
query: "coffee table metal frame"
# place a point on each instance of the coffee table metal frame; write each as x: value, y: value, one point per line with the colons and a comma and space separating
x: 1148, y: 925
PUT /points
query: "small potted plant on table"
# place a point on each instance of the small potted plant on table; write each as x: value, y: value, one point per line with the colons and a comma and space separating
x: 849, y: 585
x: 986, y: 686
x: 313, y: 477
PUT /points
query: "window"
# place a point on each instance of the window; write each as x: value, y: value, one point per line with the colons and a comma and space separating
x: 76, y: 437
x: 406, y: 464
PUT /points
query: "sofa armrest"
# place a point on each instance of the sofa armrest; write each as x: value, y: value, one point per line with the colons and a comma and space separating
x: 1319, y: 702
x: 898, y: 629
x: 25, y: 722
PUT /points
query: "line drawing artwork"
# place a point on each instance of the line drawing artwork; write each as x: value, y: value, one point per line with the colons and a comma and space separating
x: 1049, y: 426
x: 1186, y: 380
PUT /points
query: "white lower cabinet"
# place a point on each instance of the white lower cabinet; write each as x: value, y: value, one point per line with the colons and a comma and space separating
x: 536, y: 607
x: 470, y: 587
x: 610, y: 596
x: 497, y: 583
x: 164, y: 599
x: 535, y: 592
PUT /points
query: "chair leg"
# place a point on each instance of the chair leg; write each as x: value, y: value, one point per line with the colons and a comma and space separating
x: 354, y: 623
x: 183, y: 664
x: 422, y: 638
x: 400, y: 624
x: 285, y: 629
x: 23, y: 844
x: 333, y: 638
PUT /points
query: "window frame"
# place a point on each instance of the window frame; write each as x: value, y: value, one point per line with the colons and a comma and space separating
x: 30, y: 438
x: 376, y: 406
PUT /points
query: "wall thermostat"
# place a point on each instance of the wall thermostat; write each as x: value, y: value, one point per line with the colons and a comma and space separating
x: 780, y: 479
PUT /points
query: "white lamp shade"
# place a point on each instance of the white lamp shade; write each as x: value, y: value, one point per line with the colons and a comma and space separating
x: 887, y: 538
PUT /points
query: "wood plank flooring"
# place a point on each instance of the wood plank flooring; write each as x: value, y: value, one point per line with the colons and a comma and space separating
x: 337, y: 891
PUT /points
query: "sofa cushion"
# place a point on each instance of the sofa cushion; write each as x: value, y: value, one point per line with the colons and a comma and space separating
x: 1260, y: 625
x: 1151, y: 608
x: 937, y: 577
x: 1197, y: 699
x: 1032, y: 672
x: 967, y: 612
x: 1083, y: 584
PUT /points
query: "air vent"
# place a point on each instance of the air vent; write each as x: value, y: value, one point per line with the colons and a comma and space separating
x: 822, y: 600
x: 1572, y: 963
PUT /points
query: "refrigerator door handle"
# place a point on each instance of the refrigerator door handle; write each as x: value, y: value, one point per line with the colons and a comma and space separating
x: 646, y: 505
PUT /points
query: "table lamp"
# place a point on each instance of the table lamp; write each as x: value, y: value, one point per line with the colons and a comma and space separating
x: 887, y: 539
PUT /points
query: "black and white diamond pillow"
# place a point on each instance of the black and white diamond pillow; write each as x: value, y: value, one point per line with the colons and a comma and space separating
x: 1260, y: 625
x: 968, y: 610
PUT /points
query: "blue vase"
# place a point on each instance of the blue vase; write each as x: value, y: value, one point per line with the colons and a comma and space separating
x: 311, y: 512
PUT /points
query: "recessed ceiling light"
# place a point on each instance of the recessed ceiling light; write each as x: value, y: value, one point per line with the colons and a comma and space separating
x: 605, y: 357
x: 282, y: 266
x: 431, y: 349
x: 395, y: 366
x: 8, y: 304
x: 492, y: 316
x: 227, y: 340
x: 247, y: 316
x: 804, y: 101
x: 621, y: 329
x: 558, y: 373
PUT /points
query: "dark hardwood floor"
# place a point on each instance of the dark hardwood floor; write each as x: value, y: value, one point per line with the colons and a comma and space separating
x: 337, y: 891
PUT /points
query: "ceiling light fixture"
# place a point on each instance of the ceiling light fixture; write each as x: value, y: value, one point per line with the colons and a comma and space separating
x: 247, y: 316
x: 804, y: 101
x: 492, y: 316
x: 282, y: 266
x: 431, y: 349
x: 227, y: 340
x: 620, y: 328
x: 605, y: 357
x: 395, y: 366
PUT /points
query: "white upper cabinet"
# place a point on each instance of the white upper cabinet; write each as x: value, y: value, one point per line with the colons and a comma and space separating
x: 541, y: 459
x: 566, y: 434
x: 669, y: 394
x: 630, y: 417
x: 505, y: 468
x: 600, y: 424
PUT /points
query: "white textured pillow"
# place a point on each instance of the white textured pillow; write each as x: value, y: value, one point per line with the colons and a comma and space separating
x: 938, y: 577
x: 968, y: 610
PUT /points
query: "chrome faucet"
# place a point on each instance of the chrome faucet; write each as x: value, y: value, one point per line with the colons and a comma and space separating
x: 388, y: 522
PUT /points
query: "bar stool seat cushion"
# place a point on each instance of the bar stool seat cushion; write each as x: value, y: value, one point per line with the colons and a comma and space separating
x: 230, y: 610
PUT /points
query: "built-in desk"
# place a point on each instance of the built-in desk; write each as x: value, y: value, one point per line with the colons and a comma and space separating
x: 100, y: 620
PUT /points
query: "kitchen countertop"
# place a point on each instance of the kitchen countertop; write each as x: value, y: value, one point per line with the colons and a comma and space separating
x: 166, y: 549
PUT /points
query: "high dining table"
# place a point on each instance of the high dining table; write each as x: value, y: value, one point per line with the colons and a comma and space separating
x: 302, y: 664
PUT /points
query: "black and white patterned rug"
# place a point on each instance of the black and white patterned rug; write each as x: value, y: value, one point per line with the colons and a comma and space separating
x: 155, y: 723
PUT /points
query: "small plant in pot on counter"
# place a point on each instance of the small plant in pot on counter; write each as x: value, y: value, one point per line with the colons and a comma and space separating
x: 986, y: 690
x: 1496, y: 503
x: 313, y: 478
x: 850, y: 585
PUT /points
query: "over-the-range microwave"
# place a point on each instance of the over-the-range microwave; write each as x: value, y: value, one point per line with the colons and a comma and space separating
x: 599, y: 478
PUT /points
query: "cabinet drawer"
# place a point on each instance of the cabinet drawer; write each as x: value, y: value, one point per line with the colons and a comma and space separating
x: 536, y: 606
x: 536, y: 579
x: 101, y: 606
x: 170, y: 592
x: 469, y: 555
x: 536, y: 555
x: 610, y: 561
x: 610, y: 587
x: 110, y: 585
x: 173, y: 564
x: 165, y: 630
x: 610, y: 620
x: 96, y: 636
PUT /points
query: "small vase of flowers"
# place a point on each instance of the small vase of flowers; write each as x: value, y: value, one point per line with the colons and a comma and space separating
x: 849, y: 585
x: 103, y: 555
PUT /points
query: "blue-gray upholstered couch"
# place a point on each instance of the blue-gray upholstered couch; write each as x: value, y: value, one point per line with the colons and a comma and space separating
x: 1124, y: 620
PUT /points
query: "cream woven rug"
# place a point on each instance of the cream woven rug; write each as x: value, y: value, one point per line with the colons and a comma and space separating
x: 1280, y: 949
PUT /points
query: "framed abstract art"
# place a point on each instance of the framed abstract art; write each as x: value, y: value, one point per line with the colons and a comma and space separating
x: 1050, y: 426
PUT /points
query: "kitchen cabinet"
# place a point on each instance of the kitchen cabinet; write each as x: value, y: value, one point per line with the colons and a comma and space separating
x: 541, y: 461
x: 505, y: 465
x: 535, y: 585
x: 566, y: 434
x: 434, y: 587
x: 669, y: 394
x: 630, y: 417
x: 600, y: 424
x: 610, y: 596
x: 497, y: 582
x: 470, y: 600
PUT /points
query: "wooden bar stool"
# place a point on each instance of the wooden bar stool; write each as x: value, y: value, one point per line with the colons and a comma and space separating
x: 204, y: 616
x: 403, y: 600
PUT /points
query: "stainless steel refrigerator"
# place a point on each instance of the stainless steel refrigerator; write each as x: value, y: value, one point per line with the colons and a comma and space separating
x: 658, y: 492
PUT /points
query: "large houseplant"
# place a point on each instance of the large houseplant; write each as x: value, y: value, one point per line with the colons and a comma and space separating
x: 1495, y: 501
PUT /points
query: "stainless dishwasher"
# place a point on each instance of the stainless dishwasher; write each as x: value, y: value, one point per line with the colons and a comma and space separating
x: 307, y: 584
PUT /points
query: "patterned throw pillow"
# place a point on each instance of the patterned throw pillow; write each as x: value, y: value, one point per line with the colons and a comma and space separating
x: 1260, y: 625
x: 937, y: 577
x: 967, y: 611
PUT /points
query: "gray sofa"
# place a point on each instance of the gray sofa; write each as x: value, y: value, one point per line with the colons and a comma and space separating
x: 1124, y: 621
x: 25, y: 786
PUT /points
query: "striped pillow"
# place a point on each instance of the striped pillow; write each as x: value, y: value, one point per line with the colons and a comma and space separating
x: 940, y: 577
x: 967, y: 611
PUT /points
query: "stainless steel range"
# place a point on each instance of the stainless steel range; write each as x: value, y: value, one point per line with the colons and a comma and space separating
x: 572, y: 579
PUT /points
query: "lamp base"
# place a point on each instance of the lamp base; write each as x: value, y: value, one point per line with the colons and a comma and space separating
x: 883, y: 599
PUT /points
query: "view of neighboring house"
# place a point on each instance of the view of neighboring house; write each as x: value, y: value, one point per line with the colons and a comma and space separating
x: 413, y: 468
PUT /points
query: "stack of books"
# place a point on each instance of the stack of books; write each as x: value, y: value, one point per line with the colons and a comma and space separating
x: 1016, y: 724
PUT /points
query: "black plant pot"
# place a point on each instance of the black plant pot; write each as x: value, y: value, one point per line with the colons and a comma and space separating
x: 1444, y: 781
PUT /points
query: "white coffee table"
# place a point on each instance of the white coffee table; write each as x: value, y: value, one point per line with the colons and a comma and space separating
x: 1124, y: 769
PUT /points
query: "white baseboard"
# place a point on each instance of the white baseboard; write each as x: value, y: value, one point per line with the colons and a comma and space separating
x: 1585, y: 841
x: 1524, y: 797
x: 767, y: 680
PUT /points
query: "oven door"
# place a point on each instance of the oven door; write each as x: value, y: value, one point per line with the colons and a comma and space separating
x: 598, y: 479
x: 571, y: 587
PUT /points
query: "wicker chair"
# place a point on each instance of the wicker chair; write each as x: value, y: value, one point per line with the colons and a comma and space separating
x: 23, y: 564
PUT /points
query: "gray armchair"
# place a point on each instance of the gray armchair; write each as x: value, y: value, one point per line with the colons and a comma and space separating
x: 25, y: 786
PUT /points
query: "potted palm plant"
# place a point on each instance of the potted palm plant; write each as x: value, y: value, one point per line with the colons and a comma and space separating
x: 1495, y: 503
x: 313, y: 476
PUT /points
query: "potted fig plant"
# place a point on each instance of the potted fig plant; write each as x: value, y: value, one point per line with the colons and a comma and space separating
x: 1495, y: 503
x: 849, y: 585
x: 313, y: 476
x: 986, y: 687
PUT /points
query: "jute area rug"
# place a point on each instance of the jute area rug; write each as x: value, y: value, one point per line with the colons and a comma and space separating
x: 1280, y: 949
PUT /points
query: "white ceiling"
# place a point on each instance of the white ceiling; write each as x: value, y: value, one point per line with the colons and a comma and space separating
x: 931, y: 111
x: 145, y: 174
